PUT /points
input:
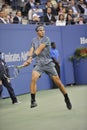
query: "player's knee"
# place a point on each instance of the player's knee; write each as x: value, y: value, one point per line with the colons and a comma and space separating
x: 34, y: 78
x: 55, y: 78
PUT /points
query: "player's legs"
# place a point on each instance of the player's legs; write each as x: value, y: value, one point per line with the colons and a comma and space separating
x: 50, y: 70
x: 60, y: 85
x: 35, y: 76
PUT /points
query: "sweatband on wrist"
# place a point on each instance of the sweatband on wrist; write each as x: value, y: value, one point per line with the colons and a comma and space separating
x: 34, y: 55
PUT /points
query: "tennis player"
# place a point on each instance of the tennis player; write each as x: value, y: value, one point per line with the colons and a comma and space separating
x: 40, y: 50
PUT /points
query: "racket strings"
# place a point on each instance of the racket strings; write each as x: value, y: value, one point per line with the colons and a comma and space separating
x: 13, y: 72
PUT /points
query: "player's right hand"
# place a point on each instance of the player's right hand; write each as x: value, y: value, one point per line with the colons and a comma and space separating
x: 27, y: 62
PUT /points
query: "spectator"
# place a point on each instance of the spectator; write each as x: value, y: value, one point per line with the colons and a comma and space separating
x: 69, y: 20
x: 54, y: 3
x: 7, y: 15
x: 74, y: 7
x: 59, y: 7
x: 29, y: 5
x: 36, y: 19
x: 61, y: 21
x: 18, y: 18
x: 82, y: 5
x: 49, y: 5
x: 37, y: 10
x: 64, y: 12
x: 49, y: 17
x: 2, y: 21
x: 81, y: 20
x: 70, y: 11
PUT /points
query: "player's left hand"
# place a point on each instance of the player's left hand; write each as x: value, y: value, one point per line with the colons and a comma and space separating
x: 28, y: 62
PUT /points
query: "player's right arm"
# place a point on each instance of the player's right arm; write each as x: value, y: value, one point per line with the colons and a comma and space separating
x: 29, y: 60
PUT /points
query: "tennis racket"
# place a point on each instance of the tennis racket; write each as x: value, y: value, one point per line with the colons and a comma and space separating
x: 13, y: 71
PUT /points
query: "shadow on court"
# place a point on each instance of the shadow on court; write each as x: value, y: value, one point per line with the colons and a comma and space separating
x: 50, y: 114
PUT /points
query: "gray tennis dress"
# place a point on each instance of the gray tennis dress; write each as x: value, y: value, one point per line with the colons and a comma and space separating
x: 43, y: 60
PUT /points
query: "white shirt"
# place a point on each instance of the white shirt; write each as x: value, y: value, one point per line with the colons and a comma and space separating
x: 60, y: 23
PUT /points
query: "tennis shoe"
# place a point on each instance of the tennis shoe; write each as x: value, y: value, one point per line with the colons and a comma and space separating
x: 33, y: 104
x: 68, y: 103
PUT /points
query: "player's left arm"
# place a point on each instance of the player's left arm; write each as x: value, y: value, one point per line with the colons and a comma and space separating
x: 40, y: 49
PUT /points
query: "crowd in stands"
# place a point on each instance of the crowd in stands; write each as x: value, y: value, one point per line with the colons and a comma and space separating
x: 48, y: 12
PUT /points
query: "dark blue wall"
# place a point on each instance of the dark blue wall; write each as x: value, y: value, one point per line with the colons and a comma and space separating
x: 16, y: 40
